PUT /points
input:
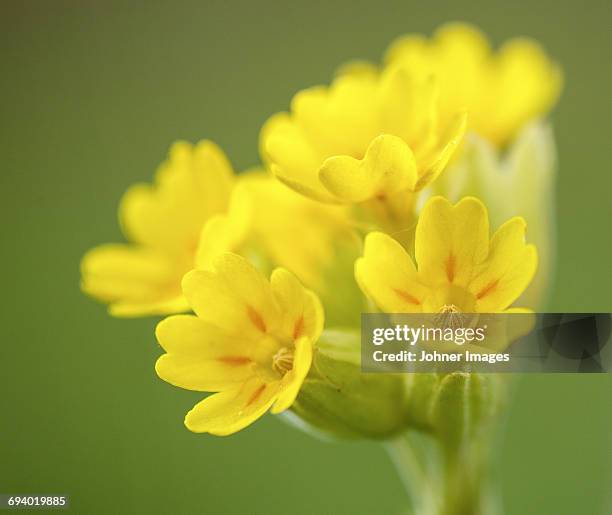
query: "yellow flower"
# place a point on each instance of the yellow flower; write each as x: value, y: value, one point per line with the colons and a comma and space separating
x: 459, y: 267
x: 501, y: 91
x: 366, y: 136
x: 269, y: 221
x: 251, y: 341
x: 518, y: 181
x: 163, y: 223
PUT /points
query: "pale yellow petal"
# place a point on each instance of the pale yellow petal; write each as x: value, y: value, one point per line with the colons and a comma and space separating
x: 130, y: 309
x: 529, y: 84
x: 134, y: 281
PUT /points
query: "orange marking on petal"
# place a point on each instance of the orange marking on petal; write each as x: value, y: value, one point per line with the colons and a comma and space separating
x: 256, y: 394
x: 450, y: 268
x: 298, y: 328
x: 256, y: 319
x: 234, y: 360
x: 407, y: 297
x: 487, y: 289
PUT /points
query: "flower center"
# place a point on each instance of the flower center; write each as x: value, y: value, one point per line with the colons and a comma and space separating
x: 282, y: 361
x: 449, y: 315
x: 449, y: 308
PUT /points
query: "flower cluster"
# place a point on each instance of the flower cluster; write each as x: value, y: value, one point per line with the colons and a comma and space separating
x: 350, y: 211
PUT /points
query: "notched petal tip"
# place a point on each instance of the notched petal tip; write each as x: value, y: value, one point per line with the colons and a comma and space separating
x: 387, y: 167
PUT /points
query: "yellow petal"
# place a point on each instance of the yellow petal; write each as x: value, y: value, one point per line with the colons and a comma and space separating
x: 188, y: 335
x: 358, y: 68
x: 501, y: 91
x: 135, y: 281
x: 293, y: 380
x: 230, y: 411
x: 445, y: 148
x: 191, y: 186
x: 227, y: 232
x: 201, y: 356
x: 387, y: 167
x: 340, y: 119
x: 451, y: 241
x: 408, y: 104
x: 295, y: 232
x: 507, y: 271
x: 387, y: 275
x: 137, y: 309
x: 204, y: 375
x: 408, y: 49
x: 291, y: 157
x: 529, y: 84
x: 234, y: 296
x: 463, y: 39
x: 522, y: 311
x: 301, y: 309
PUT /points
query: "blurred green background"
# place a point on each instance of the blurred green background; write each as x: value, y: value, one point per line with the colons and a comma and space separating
x: 92, y: 94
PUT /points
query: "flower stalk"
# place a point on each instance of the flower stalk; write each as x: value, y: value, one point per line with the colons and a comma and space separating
x: 442, y: 483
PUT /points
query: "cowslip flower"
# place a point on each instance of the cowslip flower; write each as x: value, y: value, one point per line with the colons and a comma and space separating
x: 163, y: 223
x: 275, y: 225
x: 500, y: 90
x: 458, y: 267
x: 366, y: 136
x: 519, y: 181
x: 250, y: 340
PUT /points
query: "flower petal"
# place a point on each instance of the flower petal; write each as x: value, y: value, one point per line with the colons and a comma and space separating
x: 192, y: 185
x: 529, y: 84
x: 291, y: 157
x: 302, y: 310
x: 388, y: 167
x: 201, y: 356
x: 387, y: 275
x: 507, y: 271
x: 340, y: 119
x: 443, y: 151
x: 294, y: 231
x: 188, y: 335
x: 204, y: 375
x: 234, y: 296
x: 293, y: 380
x: 409, y: 107
x: 226, y: 232
x: 135, y: 281
x: 230, y: 411
x: 451, y: 241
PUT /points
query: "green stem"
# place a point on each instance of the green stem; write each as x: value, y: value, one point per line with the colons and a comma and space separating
x: 439, y: 483
x: 413, y: 476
